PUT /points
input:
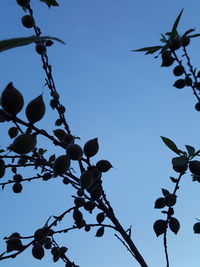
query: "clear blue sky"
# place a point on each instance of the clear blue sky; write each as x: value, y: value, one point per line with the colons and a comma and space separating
x: 127, y: 101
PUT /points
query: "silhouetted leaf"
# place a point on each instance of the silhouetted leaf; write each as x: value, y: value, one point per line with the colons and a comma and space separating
x: 174, y: 225
x: 159, y: 227
x: 174, y: 180
x: 15, y: 42
x: 187, y: 32
x: 148, y: 49
x: 165, y: 192
x: 100, y: 232
x: 190, y: 150
x: 194, y: 35
x: 169, y: 143
x: 174, y: 28
x: 50, y: 3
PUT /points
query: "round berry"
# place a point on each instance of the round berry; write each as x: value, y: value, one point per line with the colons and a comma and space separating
x: 28, y: 21
x: 40, y: 49
x: 17, y: 188
x: 197, y: 106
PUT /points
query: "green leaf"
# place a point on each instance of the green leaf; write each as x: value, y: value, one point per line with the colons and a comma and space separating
x: 50, y: 3
x: 174, y: 28
x: 169, y: 143
x: 15, y: 42
x: 148, y: 48
x: 190, y: 150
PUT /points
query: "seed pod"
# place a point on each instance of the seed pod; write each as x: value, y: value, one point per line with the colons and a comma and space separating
x: 178, y: 70
x: 62, y: 109
x: 185, y: 41
x: 100, y: 232
x: 23, y: 144
x: 17, y: 188
x: 65, y: 180
x: 38, y: 251
x: 103, y: 165
x: 2, y: 171
x: 167, y: 62
x: 61, y: 165
x: 23, y: 3
x: 40, y: 234
x: 166, y: 54
x: 180, y: 164
x: 79, y: 202
x: 160, y: 203
x: 86, y: 179
x: 96, y: 173
x: 197, y: 106
x: 40, y: 49
x: 77, y: 215
x: 89, y: 206
x: 60, y: 134
x: 74, y: 151
x: 35, y: 110
x: 87, y: 228
x: 28, y: 21
x: 80, y: 192
x: 95, y: 193
x: 17, y: 178
x: 196, y: 228
x: 63, y: 250
x: 68, y: 139
x: 53, y: 103
x: 179, y: 83
x: 47, y: 243
x: 55, y: 251
x: 170, y: 200
x: 174, y: 225
x: 14, y: 244
x: 91, y: 147
x: 188, y: 81
x: 13, y: 132
x: 58, y: 122
x: 47, y: 176
x: 100, y: 217
x: 12, y: 100
x: 175, y: 44
x: 159, y: 227
x: 194, y: 166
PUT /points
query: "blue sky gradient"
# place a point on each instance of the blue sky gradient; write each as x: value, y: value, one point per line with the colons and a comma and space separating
x: 127, y: 101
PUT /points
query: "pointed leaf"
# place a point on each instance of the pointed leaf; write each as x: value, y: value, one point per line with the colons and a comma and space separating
x: 190, y: 149
x: 50, y: 3
x: 15, y: 42
x: 100, y: 232
x: 165, y: 192
x: 194, y: 35
x: 174, y: 180
x: 148, y: 48
x: 174, y: 28
x: 187, y: 32
x: 169, y: 143
x: 174, y: 225
x: 159, y: 227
